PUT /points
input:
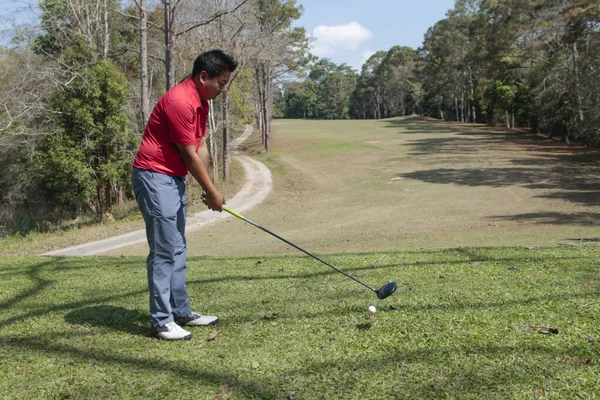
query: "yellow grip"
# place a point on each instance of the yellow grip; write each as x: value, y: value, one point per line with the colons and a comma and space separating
x: 230, y: 211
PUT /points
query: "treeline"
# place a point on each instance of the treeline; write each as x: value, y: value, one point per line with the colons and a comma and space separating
x: 76, y: 90
x: 520, y: 63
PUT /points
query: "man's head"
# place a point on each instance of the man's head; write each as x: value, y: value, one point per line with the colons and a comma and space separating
x: 211, y: 73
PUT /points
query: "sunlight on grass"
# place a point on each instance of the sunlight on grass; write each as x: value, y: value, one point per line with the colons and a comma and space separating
x: 464, y: 323
x: 330, y: 149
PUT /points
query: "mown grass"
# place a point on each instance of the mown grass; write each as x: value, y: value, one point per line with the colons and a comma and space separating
x: 464, y: 323
x: 411, y: 182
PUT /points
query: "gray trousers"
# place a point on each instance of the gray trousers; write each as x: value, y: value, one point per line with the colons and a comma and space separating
x: 163, y: 202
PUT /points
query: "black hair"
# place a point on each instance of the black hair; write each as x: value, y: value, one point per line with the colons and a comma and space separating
x: 214, y: 62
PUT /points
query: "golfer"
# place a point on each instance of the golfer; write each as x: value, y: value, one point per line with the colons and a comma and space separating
x: 174, y: 143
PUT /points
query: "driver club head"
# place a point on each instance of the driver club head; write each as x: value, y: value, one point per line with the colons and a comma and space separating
x: 386, y: 290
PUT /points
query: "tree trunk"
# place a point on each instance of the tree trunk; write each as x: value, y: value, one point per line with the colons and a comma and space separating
x: 260, y: 104
x: 258, y: 113
x: 226, y: 154
x: 263, y: 79
x: 106, y: 39
x: 265, y: 109
x: 212, y: 142
x: 169, y: 42
x: 473, y: 114
x: 456, y: 118
x: 467, y: 111
x: 269, y: 119
x: 464, y: 108
x: 576, y: 78
x: 145, y: 100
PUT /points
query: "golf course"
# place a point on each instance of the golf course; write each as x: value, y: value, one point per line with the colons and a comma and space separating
x: 491, y: 235
x: 410, y: 183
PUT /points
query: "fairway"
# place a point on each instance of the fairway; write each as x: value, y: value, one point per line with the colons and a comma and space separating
x: 410, y: 183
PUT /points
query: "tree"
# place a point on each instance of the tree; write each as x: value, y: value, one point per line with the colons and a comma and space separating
x: 86, y: 161
x: 299, y: 99
x: 365, y: 100
x: 176, y: 25
x: 282, y: 50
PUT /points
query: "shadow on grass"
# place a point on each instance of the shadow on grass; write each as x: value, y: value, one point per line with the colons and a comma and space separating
x: 534, y: 178
x: 151, y: 364
x: 91, y: 311
x: 61, y: 264
x: 444, y: 382
x: 575, y: 188
x: 470, y: 254
x: 64, y: 263
x: 490, y: 371
x: 39, y: 285
x: 571, y: 170
x: 586, y: 198
x: 585, y: 240
x: 115, y: 318
x: 63, y: 307
x: 416, y: 124
x: 398, y: 301
x: 553, y: 218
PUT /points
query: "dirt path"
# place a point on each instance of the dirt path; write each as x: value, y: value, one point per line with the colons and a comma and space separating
x: 255, y: 190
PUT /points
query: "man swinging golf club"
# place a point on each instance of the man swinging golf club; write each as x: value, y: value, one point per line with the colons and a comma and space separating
x: 174, y: 143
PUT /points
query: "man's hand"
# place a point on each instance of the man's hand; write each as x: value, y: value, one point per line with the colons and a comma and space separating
x: 199, y: 170
x: 214, y: 202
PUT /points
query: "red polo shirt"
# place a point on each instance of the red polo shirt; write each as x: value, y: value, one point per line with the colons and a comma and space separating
x: 178, y: 117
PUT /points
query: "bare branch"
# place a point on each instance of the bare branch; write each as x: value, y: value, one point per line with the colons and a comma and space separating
x: 130, y: 50
x: 116, y: 10
x: 213, y: 18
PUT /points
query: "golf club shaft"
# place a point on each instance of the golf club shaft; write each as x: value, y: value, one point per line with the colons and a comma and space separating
x: 235, y: 214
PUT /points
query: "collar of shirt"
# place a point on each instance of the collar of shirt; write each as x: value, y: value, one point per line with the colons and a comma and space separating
x: 193, y: 94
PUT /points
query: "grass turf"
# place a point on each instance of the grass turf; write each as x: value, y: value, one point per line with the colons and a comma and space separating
x: 464, y: 323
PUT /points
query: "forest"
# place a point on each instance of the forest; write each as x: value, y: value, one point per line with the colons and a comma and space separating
x: 77, y: 88
x: 517, y: 63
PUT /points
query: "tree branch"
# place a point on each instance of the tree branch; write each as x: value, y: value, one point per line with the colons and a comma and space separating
x: 214, y: 17
x: 128, y: 49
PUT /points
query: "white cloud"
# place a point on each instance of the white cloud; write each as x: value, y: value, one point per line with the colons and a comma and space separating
x: 347, y: 37
x: 365, y: 56
x: 320, y: 50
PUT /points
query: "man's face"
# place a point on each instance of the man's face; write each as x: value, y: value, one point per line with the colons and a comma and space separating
x: 210, y: 88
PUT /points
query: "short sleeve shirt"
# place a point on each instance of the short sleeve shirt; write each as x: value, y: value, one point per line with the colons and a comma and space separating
x: 178, y: 117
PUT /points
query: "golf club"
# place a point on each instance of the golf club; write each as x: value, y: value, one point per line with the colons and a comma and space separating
x: 382, y: 293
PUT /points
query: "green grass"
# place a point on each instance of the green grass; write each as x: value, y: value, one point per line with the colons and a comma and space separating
x: 410, y: 183
x: 466, y: 324
x: 270, y: 160
x: 324, y: 149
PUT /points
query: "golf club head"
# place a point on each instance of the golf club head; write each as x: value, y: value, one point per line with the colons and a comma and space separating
x: 386, y: 290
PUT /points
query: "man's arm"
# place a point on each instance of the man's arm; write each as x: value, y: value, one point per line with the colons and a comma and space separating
x: 203, y: 153
x: 197, y: 163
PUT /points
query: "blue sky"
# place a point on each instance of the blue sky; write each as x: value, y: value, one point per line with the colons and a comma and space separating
x: 350, y: 31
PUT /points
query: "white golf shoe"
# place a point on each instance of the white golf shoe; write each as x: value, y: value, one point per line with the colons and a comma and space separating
x: 171, y: 331
x: 197, y: 319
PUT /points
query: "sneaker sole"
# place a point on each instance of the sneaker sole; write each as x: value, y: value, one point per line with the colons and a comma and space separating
x: 216, y: 321
x: 157, y: 336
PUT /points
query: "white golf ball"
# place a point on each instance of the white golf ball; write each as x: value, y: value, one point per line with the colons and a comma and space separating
x: 372, y: 309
